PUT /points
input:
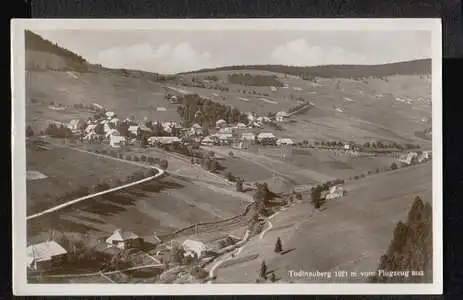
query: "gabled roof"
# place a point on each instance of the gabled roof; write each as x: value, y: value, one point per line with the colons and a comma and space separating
x: 45, y: 250
x: 122, y: 235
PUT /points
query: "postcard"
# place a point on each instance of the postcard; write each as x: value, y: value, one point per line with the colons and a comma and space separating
x: 226, y: 156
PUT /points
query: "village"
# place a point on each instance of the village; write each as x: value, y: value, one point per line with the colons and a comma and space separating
x: 105, y: 127
x: 236, y: 174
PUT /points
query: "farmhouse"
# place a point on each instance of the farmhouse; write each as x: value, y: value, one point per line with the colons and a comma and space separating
x: 335, y: 193
x: 45, y: 255
x: 195, y: 247
x: 266, y: 138
x: 285, y: 142
x: 116, y: 141
x: 409, y: 158
x: 124, y: 239
x: 163, y: 140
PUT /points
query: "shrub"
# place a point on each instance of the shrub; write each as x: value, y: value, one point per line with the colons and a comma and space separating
x: 128, y: 157
x: 394, y: 166
x: 143, y: 158
x: 136, y: 158
x: 150, y: 159
x: 230, y: 177
x: 163, y: 164
x: 278, y: 246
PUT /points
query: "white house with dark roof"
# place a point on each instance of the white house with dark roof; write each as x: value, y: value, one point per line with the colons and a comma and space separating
x: 124, y: 239
x: 45, y: 255
x: 116, y: 141
x: 196, y: 247
x: 285, y: 141
x: 266, y: 136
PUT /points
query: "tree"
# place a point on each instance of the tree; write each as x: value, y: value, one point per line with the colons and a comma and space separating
x: 278, y: 246
x: 163, y: 164
x: 239, y: 185
x: 29, y: 131
x: 394, y: 166
x: 411, y: 246
x: 230, y: 177
x: 263, y: 270
x: 316, y: 196
x: 272, y: 277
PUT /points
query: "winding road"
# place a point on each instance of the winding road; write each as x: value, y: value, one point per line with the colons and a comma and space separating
x: 160, y: 173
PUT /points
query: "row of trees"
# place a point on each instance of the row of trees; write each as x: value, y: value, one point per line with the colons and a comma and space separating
x: 254, y: 80
x: 58, y: 131
x: 299, y: 106
x: 163, y: 163
x: 195, y: 109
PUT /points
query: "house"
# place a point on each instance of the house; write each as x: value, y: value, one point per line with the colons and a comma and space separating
x: 209, y: 141
x: 45, y: 255
x: 76, y: 124
x: 117, y: 141
x: 221, y: 123
x: 266, y: 138
x: 134, y: 129
x: 281, y: 116
x: 163, y: 140
x: 335, y: 193
x: 110, y: 115
x: 196, y: 247
x: 123, y: 239
x: 409, y: 158
x: 263, y: 120
x: 226, y: 130
x: 248, y: 136
x: 196, y: 129
x: 225, y: 138
x: 285, y: 142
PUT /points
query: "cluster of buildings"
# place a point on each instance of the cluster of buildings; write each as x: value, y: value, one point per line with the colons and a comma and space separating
x: 415, y: 157
x: 51, y: 255
x: 107, y: 126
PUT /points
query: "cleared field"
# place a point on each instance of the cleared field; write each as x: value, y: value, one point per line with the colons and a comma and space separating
x: 124, y: 95
x: 361, y: 224
x: 67, y: 170
x: 161, y: 206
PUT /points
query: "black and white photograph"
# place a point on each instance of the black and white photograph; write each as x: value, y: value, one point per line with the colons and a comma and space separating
x: 227, y: 156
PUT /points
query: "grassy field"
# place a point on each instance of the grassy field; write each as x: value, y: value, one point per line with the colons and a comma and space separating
x: 361, y: 224
x: 67, y: 170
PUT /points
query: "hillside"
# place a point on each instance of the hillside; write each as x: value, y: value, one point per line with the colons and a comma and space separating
x: 415, y: 67
x: 43, y: 54
x: 396, y: 107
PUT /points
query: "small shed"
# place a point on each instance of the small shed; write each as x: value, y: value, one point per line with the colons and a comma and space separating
x: 124, y: 239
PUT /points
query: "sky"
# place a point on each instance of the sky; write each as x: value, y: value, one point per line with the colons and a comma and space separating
x: 171, y: 52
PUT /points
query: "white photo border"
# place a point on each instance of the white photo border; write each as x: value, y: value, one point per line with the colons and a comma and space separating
x: 18, y: 26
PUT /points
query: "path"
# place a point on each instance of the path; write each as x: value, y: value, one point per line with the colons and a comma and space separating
x: 71, y: 202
